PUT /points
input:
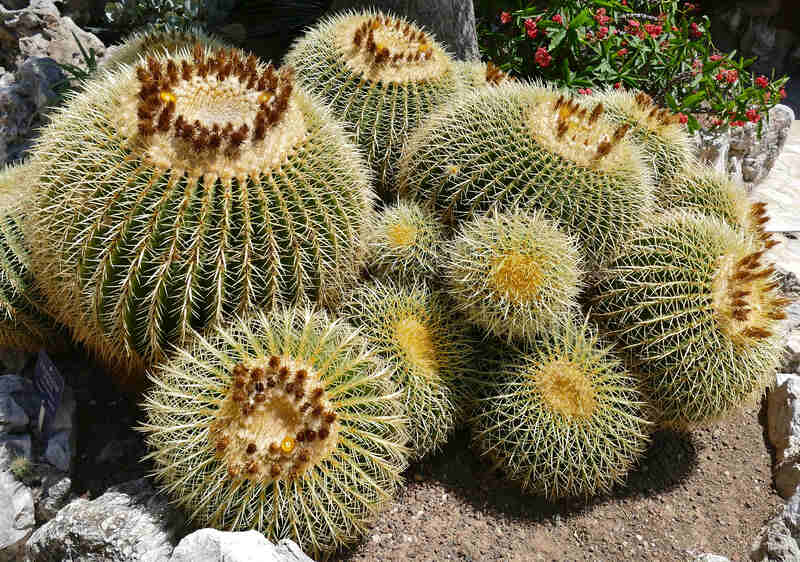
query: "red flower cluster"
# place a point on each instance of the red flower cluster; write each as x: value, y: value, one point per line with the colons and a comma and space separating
x: 542, y: 57
x: 585, y: 91
x: 531, y: 29
x: 730, y: 76
x: 715, y: 58
x: 753, y: 116
x: 600, y: 17
x: 694, y: 31
x: 617, y: 85
x: 558, y: 19
x: 653, y: 29
x: 683, y: 118
x: 762, y: 82
x: 602, y: 32
x: 622, y: 52
x: 505, y: 17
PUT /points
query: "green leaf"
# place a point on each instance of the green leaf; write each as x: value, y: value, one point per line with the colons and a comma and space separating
x: 585, y: 17
x: 692, y: 100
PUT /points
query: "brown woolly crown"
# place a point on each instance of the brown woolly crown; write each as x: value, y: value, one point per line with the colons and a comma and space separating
x: 397, y: 41
x: 159, y: 108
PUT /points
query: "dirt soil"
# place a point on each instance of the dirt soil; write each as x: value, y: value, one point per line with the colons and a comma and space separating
x: 708, y: 491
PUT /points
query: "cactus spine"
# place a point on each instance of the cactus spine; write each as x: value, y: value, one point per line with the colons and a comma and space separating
x: 284, y: 423
x: 157, y: 42
x: 185, y: 190
x: 520, y: 145
x: 23, y: 325
x: 477, y: 74
x: 513, y: 274
x: 427, y: 349
x: 563, y: 417
x: 696, y: 310
x: 380, y: 73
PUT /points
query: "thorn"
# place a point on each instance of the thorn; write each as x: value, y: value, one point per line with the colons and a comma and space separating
x: 596, y: 113
x: 770, y: 244
x: 756, y: 333
x: 777, y: 315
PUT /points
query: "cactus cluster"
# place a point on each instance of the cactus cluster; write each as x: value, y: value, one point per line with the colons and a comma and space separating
x: 381, y: 74
x: 190, y: 187
x: 207, y: 217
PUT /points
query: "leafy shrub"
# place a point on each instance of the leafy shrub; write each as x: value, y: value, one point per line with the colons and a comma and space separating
x: 660, y: 46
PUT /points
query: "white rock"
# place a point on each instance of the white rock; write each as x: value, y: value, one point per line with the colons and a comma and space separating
x: 210, y: 545
x: 710, y: 558
x: 16, y: 516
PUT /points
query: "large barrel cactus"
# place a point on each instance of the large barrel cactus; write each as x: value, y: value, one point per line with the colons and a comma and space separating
x: 284, y: 423
x: 23, y: 325
x: 380, y: 73
x: 522, y: 145
x: 562, y: 417
x: 186, y: 189
x: 696, y: 310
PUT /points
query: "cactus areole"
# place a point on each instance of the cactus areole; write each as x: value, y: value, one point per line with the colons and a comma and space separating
x: 189, y: 188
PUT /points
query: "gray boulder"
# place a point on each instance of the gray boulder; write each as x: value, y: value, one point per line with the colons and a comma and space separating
x: 23, y: 103
x: 130, y: 523
x: 39, y: 30
x: 777, y: 540
x: 210, y: 545
x: 783, y: 430
x: 16, y: 516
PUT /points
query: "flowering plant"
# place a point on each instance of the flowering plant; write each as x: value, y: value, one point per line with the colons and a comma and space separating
x: 662, y: 47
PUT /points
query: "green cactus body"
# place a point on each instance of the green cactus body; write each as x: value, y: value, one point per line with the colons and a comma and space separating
x: 379, y: 73
x: 563, y: 417
x: 157, y: 42
x: 478, y: 74
x: 23, y: 324
x: 665, y: 142
x: 514, y: 274
x: 427, y: 349
x: 526, y: 146
x: 702, y: 189
x: 404, y: 242
x: 188, y: 189
x: 285, y: 423
x: 696, y: 312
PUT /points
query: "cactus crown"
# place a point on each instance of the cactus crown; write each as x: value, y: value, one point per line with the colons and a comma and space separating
x: 562, y: 126
x: 744, y: 297
x: 155, y: 41
x: 383, y: 48
x: 215, y: 112
x: 565, y: 389
x: 280, y: 402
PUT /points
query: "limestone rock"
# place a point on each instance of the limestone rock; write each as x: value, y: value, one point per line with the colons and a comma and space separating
x: 130, y: 523
x: 54, y: 493
x: 22, y: 104
x: 778, y: 538
x: 38, y: 30
x: 210, y: 545
x: 783, y: 430
x: 16, y: 516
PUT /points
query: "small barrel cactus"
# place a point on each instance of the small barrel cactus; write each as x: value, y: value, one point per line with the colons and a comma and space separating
x: 478, y: 74
x: 696, y: 310
x: 514, y: 274
x: 704, y: 190
x: 157, y: 42
x: 187, y: 189
x: 285, y: 423
x: 562, y: 417
x: 380, y: 73
x: 404, y: 241
x: 23, y: 324
x: 665, y: 142
x: 414, y: 331
x: 521, y: 145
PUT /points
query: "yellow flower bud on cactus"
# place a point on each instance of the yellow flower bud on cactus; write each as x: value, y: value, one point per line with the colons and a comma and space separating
x: 665, y: 141
x: 381, y: 74
x: 23, y: 323
x: 514, y: 274
x: 186, y: 189
x: 405, y: 241
x: 562, y: 417
x: 695, y: 307
x: 414, y: 330
x: 532, y: 147
x: 284, y: 423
